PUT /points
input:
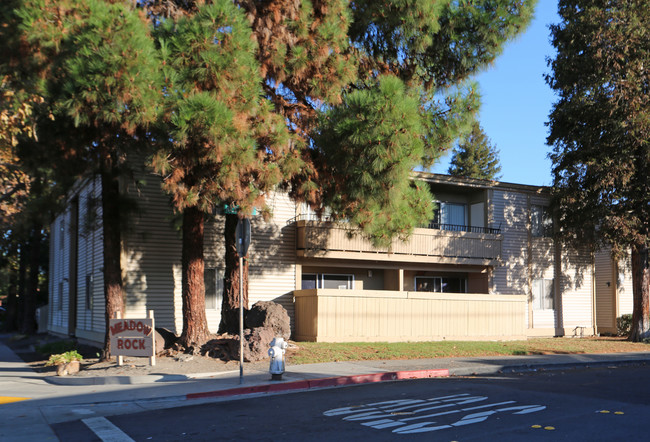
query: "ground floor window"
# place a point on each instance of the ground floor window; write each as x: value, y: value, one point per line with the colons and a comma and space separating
x: 213, y: 279
x: 543, y: 294
x: 327, y: 281
x: 89, y: 291
x: 440, y: 284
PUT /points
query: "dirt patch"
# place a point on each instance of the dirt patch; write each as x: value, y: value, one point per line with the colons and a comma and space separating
x: 171, y: 363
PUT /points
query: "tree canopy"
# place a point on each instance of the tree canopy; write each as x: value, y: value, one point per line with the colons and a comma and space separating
x: 600, y: 132
x: 249, y: 95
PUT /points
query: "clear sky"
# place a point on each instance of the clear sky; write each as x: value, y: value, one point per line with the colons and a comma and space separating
x: 517, y: 102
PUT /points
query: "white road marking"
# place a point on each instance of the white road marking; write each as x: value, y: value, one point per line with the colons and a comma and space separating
x: 384, y: 415
x: 105, y: 430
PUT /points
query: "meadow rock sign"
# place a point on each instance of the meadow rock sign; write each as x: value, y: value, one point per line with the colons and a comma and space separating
x: 133, y: 337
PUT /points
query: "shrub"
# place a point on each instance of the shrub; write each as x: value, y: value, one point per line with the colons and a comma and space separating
x: 623, y: 325
x: 64, y: 358
x: 52, y: 348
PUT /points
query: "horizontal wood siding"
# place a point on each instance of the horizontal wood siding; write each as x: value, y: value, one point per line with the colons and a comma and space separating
x: 90, y: 315
x: 59, y: 270
x: 576, y: 284
x: 151, y: 254
x: 376, y: 316
x: 89, y: 262
x: 272, y: 255
x: 153, y: 247
x: 510, y: 212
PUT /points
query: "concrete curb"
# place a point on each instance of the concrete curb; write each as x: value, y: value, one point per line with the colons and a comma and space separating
x: 343, y: 380
x: 337, y: 381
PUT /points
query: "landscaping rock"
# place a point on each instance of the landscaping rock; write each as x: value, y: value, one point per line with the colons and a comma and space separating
x: 268, y: 314
x: 165, y: 336
x: 226, y: 347
x: 256, y: 345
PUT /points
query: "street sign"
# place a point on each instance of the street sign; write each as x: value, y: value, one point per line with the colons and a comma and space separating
x: 243, y: 235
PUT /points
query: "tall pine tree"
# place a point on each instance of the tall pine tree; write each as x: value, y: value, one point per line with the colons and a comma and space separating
x: 600, y: 133
x: 94, y: 64
x: 312, y: 57
x: 475, y: 157
x: 227, y: 146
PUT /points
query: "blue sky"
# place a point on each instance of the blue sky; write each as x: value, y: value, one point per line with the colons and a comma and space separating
x: 517, y: 102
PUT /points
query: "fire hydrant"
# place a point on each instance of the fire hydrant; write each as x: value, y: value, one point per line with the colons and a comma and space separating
x: 276, y: 352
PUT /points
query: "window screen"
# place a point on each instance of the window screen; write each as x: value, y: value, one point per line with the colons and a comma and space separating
x: 213, y: 279
x: 543, y: 296
x: 541, y: 223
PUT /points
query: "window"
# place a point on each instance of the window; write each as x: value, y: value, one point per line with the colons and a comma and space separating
x: 440, y: 284
x: 450, y: 216
x: 327, y: 281
x: 541, y: 223
x: 213, y: 280
x: 89, y: 291
x: 543, y: 294
x: 60, y: 303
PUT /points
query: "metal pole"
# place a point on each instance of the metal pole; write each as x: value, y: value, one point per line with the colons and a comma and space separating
x: 241, y: 320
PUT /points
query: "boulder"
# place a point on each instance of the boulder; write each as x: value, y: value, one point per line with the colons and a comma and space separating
x: 226, y: 346
x: 164, y: 339
x: 268, y: 314
x: 256, y: 344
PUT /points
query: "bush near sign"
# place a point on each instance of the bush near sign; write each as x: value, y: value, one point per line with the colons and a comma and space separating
x: 132, y: 337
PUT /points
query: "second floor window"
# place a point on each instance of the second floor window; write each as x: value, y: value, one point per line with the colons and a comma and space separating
x: 450, y: 216
x: 541, y: 223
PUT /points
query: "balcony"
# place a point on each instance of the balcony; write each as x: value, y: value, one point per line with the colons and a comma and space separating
x: 445, y: 244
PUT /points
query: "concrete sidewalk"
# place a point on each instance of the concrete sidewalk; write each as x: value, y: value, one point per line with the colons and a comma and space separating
x: 30, y: 401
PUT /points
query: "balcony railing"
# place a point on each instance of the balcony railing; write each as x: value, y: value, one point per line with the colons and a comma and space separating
x: 431, y: 225
x: 339, y: 240
x: 461, y: 228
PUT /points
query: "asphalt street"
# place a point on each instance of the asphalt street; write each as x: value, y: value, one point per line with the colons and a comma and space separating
x: 577, y: 404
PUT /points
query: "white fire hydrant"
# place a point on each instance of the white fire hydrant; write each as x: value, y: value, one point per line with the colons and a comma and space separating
x: 276, y: 352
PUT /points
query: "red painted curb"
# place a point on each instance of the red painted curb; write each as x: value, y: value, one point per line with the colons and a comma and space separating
x: 324, y: 382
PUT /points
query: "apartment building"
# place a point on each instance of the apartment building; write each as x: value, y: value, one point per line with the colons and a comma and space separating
x: 485, y: 267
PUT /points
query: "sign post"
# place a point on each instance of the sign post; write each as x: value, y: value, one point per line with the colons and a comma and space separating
x: 243, y: 234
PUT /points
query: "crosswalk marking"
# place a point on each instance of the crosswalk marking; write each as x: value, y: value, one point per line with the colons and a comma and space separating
x: 105, y: 430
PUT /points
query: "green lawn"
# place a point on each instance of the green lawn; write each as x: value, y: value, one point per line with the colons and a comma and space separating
x: 313, y: 352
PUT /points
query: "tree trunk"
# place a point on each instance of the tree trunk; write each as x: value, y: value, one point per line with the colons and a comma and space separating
x: 12, y: 299
x: 230, y: 306
x: 641, y: 294
x: 112, y: 250
x: 22, y: 279
x: 28, y: 325
x: 195, y: 325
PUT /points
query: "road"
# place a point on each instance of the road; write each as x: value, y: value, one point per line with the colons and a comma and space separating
x: 582, y: 404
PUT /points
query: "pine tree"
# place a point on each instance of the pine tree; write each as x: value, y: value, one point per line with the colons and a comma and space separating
x: 475, y: 157
x: 600, y: 128
x: 94, y: 65
x: 227, y: 146
x: 312, y: 56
